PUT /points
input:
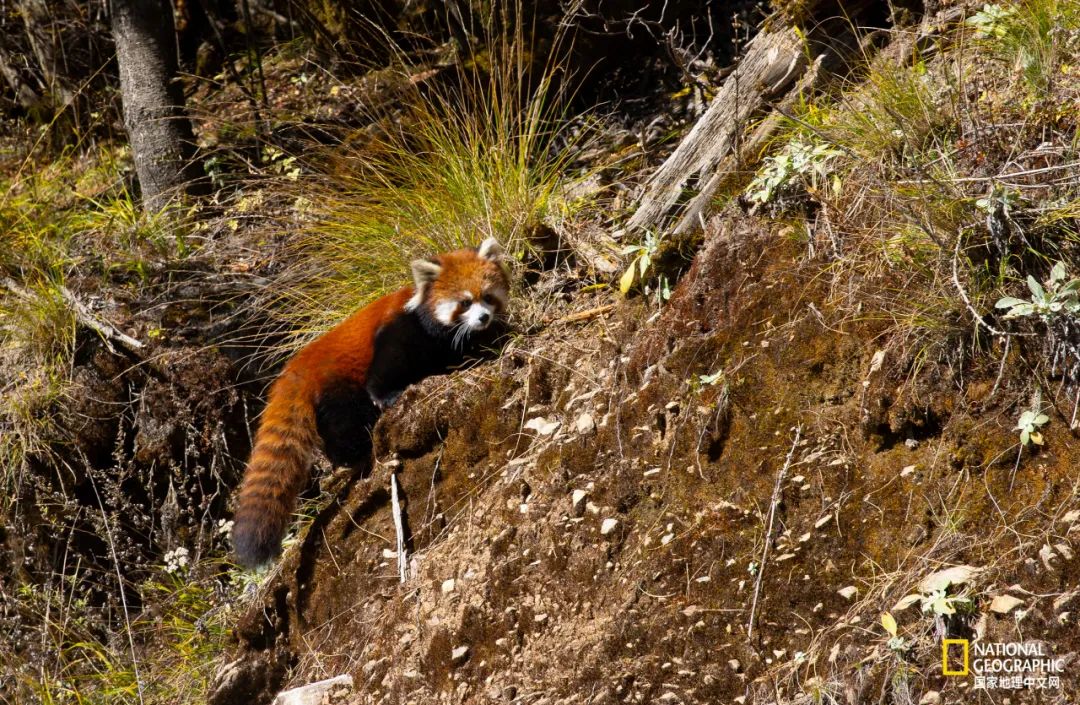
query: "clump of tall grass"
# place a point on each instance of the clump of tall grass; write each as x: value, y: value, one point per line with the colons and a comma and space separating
x: 62, y: 216
x: 1035, y: 38
x: 471, y: 152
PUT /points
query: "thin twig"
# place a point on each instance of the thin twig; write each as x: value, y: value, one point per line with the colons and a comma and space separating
x: 399, y: 529
x: 1001, y: 369
x: 120, y: 585
x: 1012, y: 475
x: 584, y: 315
x: 999, y: 177
x: 963, y: 293
x: 768, y: 530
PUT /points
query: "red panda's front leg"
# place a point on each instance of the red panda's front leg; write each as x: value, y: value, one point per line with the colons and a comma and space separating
x: 344, y: 416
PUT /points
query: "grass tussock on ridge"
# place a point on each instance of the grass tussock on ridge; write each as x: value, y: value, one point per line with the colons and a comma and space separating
x: 475, y: 151
x: 71, y: 215
x: 924, y: 180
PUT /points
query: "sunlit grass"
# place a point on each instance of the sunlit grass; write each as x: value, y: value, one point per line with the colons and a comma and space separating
x: 476, y: 154
x: 176, y: 645
x: 1035, y: 38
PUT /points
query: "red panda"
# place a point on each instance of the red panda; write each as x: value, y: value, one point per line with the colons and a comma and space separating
x: 334, y: 388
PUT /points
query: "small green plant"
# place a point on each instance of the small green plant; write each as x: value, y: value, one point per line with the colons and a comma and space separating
x: 798, y: 159
x: 642, y: 259
x: 940, y: 603
x: 1056, y: 297
x: 896, y: 643
x: 992, y: 21
x: 999, y: 199
x: 934, y: 593
x: 711, y: 379
x: 280, y: 163
x: 1029, y: 424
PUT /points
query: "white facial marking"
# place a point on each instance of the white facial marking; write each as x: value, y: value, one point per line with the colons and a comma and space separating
x: 444, y: 312
x: 478, y: 316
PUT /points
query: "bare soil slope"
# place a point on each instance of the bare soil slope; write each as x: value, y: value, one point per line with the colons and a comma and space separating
x: 589, y: 515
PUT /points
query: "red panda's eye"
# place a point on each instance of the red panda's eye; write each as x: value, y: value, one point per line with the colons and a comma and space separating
x: 466, y: 303
x: 490, y: 300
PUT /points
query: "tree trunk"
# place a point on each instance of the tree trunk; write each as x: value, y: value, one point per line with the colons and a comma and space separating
x: 162, y: 142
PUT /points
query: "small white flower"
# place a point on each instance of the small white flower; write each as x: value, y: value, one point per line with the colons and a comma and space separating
x: 176, y: 560
x: 224, y: 527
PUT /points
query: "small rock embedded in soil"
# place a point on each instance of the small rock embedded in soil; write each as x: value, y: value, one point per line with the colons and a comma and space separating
x: 585, y: 424
x: 316, y: 693
x: 608, y: 526
x: 848, y: 593
x: 459, y: 655
x: 1003, y: 604
x: 942, y: 579
x: 577, y: 502
x: 1046, y: 553
x: 542, y: 426
x: 930, y: 697
x: 448, y: 586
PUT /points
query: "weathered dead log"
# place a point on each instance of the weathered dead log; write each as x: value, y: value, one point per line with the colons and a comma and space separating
x: 775, y: 59
x: 749, y: 152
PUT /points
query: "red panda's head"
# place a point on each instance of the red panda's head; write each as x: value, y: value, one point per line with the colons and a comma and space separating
x: 464, y: 289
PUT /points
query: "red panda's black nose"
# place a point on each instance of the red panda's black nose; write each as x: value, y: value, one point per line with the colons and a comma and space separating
x: 485, y: 317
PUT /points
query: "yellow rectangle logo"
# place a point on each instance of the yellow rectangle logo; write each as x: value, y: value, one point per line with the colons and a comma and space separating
x: 945, y: 643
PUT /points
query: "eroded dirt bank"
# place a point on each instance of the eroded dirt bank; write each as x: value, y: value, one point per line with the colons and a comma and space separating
x: 588, y: 514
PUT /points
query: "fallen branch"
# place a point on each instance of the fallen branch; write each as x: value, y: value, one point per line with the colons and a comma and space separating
x: 768, y: 530
x: 749, y: 152
x: 106, y: 330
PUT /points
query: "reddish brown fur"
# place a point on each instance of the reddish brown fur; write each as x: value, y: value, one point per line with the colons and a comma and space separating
x: 287, y: 437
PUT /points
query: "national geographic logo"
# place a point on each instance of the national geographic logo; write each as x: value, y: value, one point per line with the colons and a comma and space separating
x: 1005, y: 665
x: 949, y: 647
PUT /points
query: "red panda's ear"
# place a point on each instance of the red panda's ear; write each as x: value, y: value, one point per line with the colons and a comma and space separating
x: 424, y: 272
x: 490, y: 250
